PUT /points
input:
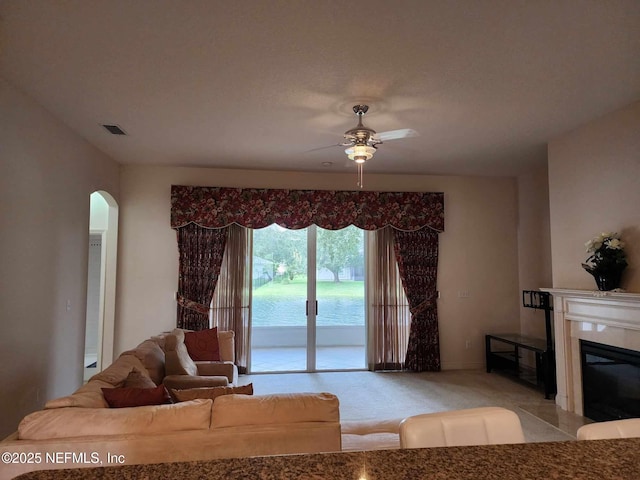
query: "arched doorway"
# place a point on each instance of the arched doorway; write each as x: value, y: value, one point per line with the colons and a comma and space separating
x: 101, y: 283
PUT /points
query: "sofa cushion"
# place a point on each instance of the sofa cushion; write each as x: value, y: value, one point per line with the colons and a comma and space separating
x: 149, y: 420
x: 159, y: 339
x: 88, y: 396
x: 226, y: 341
x: 210, y: 392
x: 177, y: 359
x: 134, y: 397
x: 116, y: 373
x: 184, y: 382
x: 226, y: 369
x: 236, y: 410
x: 371, y: 434
x: 152, y: 358
x: 136, y: 379
x: 203, y: 345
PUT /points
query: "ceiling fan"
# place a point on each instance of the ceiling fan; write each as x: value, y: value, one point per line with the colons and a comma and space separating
x: 362, y: 141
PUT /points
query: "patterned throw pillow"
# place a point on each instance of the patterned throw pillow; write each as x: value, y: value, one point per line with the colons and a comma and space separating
x: 211, y: 392
x: 203, y: 345
x: 134, y: 397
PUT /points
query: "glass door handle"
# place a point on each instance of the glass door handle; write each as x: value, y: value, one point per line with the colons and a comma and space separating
x: 307, y: 308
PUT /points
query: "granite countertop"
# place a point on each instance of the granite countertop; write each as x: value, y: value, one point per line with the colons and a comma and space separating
x: 586, y: 460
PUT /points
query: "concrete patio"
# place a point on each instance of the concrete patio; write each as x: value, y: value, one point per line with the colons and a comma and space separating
x: 294, y: 359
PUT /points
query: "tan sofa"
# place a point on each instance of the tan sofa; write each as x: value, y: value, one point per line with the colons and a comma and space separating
x: 81, y: 431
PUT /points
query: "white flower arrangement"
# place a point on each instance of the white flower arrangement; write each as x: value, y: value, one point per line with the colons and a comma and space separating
x: 607, y: 254
x: 609, y: 240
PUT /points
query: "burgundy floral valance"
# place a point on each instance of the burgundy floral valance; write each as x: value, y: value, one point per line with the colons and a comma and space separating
x: 216, y: 207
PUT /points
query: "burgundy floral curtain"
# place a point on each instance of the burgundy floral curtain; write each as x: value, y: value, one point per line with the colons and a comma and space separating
x: 417, y: 256
x: 200, y: 214
x: 200, y: 252
x: 216, y: 207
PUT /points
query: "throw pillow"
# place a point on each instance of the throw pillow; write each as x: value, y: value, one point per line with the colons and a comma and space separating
x: 152, y: 358
x: 203, y: 345
x: 211, y: 392
x: 177, y: 359
x: 136, y: 379
x: 134, y: 397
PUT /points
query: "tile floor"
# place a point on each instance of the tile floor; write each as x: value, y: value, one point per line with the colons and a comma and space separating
x: 333, y: 359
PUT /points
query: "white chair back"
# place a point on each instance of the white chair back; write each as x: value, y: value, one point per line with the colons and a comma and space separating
x: 627, y: 428
x: 474, y: 426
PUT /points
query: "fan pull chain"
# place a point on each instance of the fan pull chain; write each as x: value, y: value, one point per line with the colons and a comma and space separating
x: 360, y: 168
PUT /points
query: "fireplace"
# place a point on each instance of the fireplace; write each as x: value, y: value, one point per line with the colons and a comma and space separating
x: 610, y: 320
x: 610, y: 381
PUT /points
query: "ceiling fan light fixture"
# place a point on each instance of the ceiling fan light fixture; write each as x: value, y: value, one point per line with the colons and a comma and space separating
x: 361, y: 141
x: 360, y: 153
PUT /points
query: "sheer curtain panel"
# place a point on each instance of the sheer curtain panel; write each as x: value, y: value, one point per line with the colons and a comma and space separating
x: 389, y: 316
x: 230, y: 305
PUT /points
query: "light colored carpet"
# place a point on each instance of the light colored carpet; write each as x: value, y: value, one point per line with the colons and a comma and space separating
x: 368, y: 396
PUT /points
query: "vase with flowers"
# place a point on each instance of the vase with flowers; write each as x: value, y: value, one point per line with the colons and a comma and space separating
x: 607, y: 260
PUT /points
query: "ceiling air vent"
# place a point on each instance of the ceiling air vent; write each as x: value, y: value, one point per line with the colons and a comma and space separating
x: 114, y: 129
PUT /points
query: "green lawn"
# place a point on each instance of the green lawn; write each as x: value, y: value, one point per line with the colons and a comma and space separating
x: 298, y: 288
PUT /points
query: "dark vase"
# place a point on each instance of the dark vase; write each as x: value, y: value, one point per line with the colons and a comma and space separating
x: 608, y: 279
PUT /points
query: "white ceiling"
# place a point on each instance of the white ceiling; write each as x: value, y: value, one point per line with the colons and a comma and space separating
x: 257, y: 84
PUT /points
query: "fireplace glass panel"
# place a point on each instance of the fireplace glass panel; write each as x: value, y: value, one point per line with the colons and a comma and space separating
x: 610, y: 382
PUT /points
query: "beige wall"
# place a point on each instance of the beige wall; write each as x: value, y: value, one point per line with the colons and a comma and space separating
x: 478, y: 250
x: 534, y: 244
x: 594, y: 186
x: 47, y: 174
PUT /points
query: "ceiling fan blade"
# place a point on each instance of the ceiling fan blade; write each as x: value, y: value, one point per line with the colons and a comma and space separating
x: 343, y: 144
x: 396, y: 134
x: 325, y: 147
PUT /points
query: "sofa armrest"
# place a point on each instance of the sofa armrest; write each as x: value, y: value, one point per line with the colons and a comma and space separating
x: 227, y: 369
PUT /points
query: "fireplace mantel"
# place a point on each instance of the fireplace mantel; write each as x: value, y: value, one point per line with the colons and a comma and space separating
x: 610, y: 318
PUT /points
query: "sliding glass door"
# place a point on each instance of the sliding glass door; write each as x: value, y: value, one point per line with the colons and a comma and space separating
x: 279, y: 300
x: 307, y: 300
x: 340, y: 293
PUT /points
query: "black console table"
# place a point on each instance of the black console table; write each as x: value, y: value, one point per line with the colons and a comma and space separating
x: 505, y: 351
